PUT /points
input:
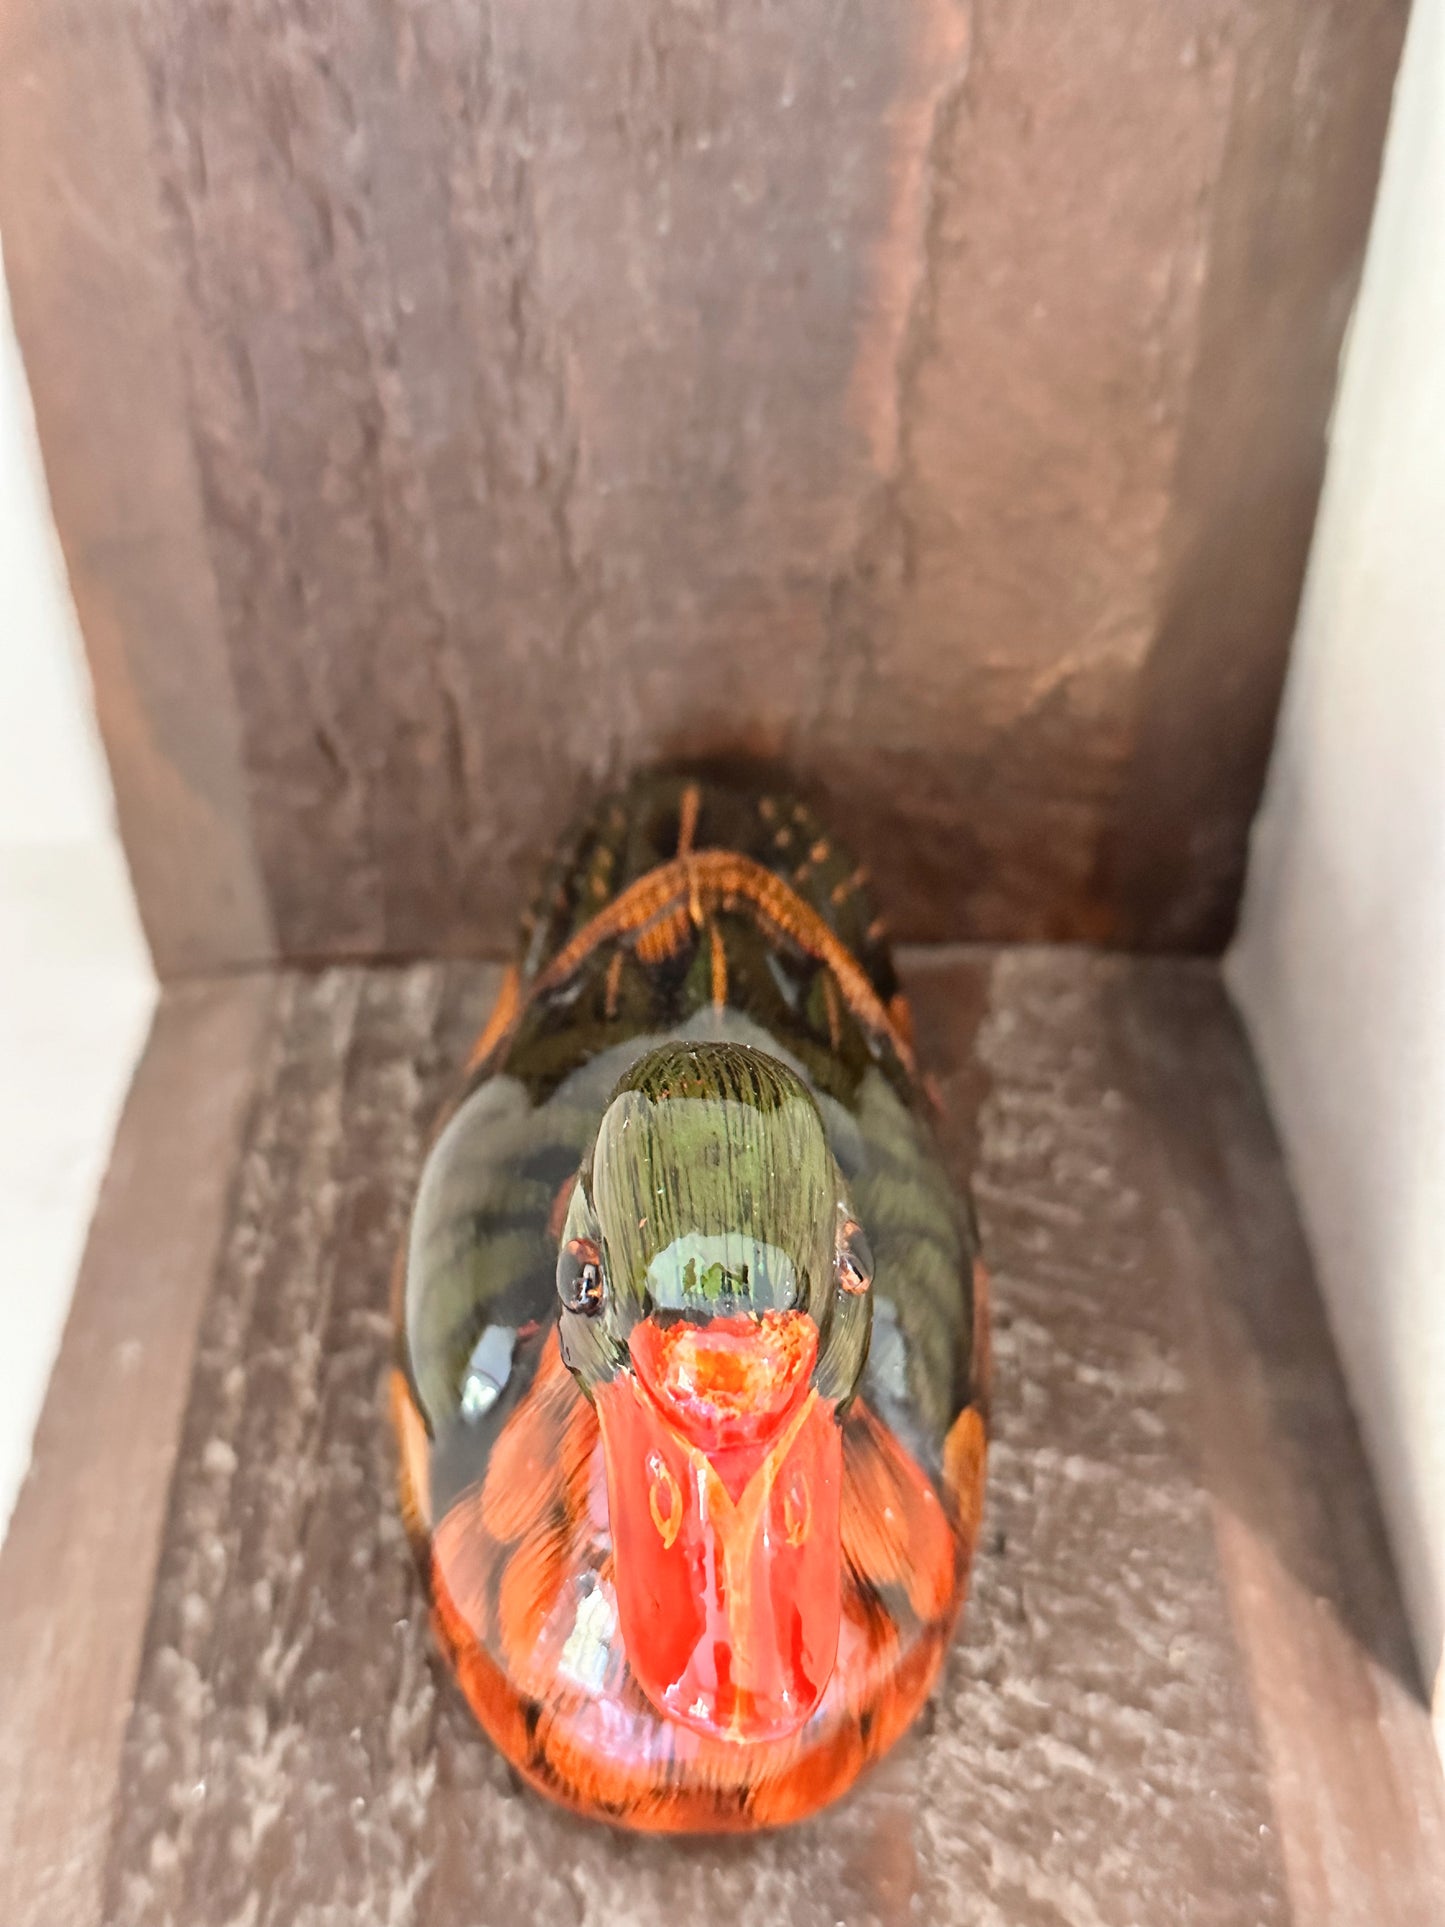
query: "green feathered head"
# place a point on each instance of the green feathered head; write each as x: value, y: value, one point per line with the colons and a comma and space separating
x: 711, y: 1192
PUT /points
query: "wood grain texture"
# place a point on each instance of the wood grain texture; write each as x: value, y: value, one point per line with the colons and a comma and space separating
x: 1183, y: 1691
x: 450, y: 409
x: 1244, y: 493
x: 79, y: 1559
x: 96, y: 309
x: 1337, y: 1691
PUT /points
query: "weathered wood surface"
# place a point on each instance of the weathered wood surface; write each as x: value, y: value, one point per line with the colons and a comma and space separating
x: 1183, y: 1691
x: 79, y: 1559
x: 446, y: 409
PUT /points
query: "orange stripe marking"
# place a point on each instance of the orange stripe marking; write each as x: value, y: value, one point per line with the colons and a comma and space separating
x: 719, y: 967
x: 687, y: 818
x: 504, y: 1013
x: 830, y: 1004
x: 614, y: 983
x: 965, y: 1459
x: 662, y: 938
x: 901, y: 1011
x: 721, y: 880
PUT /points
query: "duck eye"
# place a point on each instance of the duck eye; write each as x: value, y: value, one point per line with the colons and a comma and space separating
x: 579, y: 1275
x: 855, y: 1258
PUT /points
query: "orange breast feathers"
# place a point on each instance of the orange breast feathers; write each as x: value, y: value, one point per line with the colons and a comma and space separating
x: 524, y: 1578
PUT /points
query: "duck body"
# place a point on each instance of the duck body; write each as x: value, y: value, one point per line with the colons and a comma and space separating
x: 691, y: 1332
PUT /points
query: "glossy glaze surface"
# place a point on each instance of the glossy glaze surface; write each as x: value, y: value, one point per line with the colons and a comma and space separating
x: 691, y: 1340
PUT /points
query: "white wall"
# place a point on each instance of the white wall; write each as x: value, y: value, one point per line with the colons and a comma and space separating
x: 75, y: 981
x: 1340, y: 962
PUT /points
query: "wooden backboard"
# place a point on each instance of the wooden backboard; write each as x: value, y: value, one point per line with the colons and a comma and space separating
x: 448, y: 408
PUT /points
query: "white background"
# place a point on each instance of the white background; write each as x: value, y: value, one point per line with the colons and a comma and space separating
x: 75, y: 980
x: 1340, y: 964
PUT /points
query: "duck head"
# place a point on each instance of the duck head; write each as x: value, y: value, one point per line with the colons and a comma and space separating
x: 716, y: 1309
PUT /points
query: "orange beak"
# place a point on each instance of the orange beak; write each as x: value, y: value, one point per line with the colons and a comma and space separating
x: 724, y: 1480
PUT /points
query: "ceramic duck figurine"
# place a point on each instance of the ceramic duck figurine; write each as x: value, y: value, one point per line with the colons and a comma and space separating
x: 692, y: 1338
